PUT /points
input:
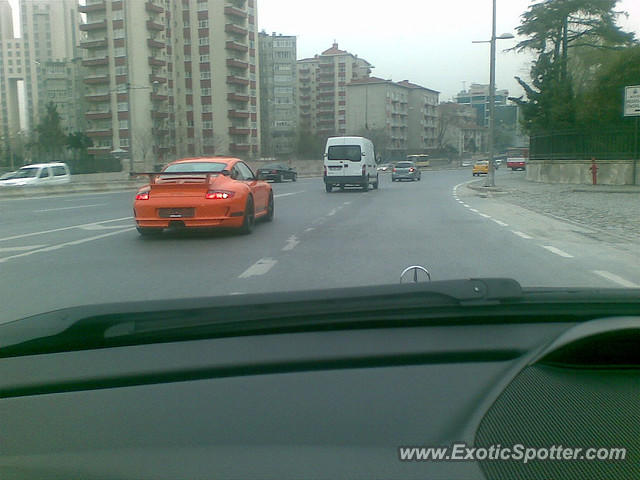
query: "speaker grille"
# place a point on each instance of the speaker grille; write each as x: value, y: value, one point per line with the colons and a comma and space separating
x: 546, y: 406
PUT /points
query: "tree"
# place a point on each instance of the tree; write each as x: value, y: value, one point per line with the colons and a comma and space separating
x: 50, y: 137
x: 561, y: 33
x: 380, y: 138
x: 78, y: 143
x: 309, y: 146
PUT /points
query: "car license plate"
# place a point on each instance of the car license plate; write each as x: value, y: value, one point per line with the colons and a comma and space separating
x: 176, y: 212
x: 335, y: 167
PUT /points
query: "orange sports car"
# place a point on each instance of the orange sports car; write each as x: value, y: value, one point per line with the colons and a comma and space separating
x: 202, y: 193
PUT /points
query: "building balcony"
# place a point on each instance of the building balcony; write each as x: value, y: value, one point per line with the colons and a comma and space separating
x: 239, y: 147
x: 326, y: 104
x: 159, y: 114
x: 96, y: 79
x: 234, y: 29
x: 237, y: 64
x: 152, y: 7
x: 326, y: 122
x: 153, y: 43
x: 157, y: 62
x: 155, y: 78
x: 238, y: 47
x: 101, y: 43
x: 326, y: 94
x: 99, y: 132
x: 98, y: 115
x: 159, y: 97
x: 92, y: 7
x: 151, y: 25
x: 97, y: 97
x: 91, y: 62
x: 238, y: 114
x: 234, y: 97
x: 93, y: 26
x: 235, y: 13
x: 235, y: 80
x: 239, y: 131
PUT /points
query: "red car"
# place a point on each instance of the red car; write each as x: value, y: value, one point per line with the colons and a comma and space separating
x: 202, y: 193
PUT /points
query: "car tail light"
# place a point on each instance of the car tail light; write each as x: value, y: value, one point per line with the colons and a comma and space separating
x: 218, y: 195
x: 274, y: 171
x: 394, y: 169
x: 143, y: 195
x: 412, y: 169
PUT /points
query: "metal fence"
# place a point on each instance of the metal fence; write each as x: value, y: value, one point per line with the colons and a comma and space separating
x: 574, y: 145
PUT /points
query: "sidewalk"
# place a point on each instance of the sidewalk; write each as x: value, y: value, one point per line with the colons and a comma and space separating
x: 610, y: 208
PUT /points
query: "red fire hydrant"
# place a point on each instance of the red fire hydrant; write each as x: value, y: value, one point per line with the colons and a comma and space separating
x: 594, y: 171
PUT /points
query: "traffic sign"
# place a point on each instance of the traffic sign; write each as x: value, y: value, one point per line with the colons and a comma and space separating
x: 632, y: 101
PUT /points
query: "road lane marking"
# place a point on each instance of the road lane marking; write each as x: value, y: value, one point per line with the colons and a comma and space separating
x: 501, y: 223
x: 69, y: 208
x: 20, y: 249
x: 523, y: 235
x: 616, y: 279
x: 347, y: 203
x: 292, y: 242
x: 43, y: 232
x: 310, y: 229
x: 261, y: 267
x: 65, y: 244
x: 474, y: 210
x: 557, y: 251
x: 484, y: 215
x: 332, y: 212
x: 465, y: 205
x: 93, y: 228
x: 280, y: 195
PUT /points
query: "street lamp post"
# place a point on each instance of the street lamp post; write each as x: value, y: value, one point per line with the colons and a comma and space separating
x: 491, y: 177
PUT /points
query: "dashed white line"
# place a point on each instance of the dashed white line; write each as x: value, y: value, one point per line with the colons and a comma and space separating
x: 292, y: 242
x: 616, y: 279
x: 465, y: 205
x: 24, y: 235
x: 522, y: 235
x: 280, y: 195
x: 484, y: 215
x: 332, y: 212
x: 69, y: 208
x: 557, y: 251
x: 474, y: 210
x: 499, y: 222
x: 65, y: 244
x: 310, y: 229
x: 21, y: 249
x: 347, y: 203
x: 261, y: 267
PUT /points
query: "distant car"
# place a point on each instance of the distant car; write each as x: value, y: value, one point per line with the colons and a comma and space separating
x: 517, y: 163
x: 385, y: 167
x: 56, y: 173
x: 277, y: 172
x: 202, y: 193
x: 405, y: 171
x: 481, y: 167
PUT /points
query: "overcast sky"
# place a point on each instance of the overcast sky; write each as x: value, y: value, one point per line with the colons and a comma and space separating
x: 425, y: 41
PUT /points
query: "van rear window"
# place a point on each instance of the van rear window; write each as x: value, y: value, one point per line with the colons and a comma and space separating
x: 345, y: 152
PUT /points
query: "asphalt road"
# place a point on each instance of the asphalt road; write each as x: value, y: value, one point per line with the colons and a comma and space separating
x: 70, y: 250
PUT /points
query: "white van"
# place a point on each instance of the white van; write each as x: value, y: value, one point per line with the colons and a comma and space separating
x: 350, y: 161
x: 39, y: 174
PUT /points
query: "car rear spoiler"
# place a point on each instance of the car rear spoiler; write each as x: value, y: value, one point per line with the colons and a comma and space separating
x: 153, y: 175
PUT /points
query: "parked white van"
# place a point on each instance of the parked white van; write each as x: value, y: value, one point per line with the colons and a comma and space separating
x: 39, y: 174
x: 350, y: 161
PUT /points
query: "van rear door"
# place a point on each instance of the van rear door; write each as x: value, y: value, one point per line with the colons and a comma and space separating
x: 344, y: 160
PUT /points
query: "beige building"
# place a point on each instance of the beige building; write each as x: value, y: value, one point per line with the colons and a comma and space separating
x: 171, y: 79
x: 322, y: 90
x: 399, y: 117
x: 458, y: 129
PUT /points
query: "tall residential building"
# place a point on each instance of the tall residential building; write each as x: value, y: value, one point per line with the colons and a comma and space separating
x: 45, y: 58
x: 478, y: 97
x: 400, y: 117
x: 172, y: 78
x: 278, y: 97
x: 322, y: 90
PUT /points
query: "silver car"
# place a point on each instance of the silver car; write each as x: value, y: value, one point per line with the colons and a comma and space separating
x: 405, y: 171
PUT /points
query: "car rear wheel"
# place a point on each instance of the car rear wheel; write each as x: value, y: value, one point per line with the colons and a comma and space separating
x: 279, y: 178
x: 149, y: 232
x: 270, y: 209
x: 249, y: 218
x: 328, y: 187
x: 295, y: 177
x: 375, y: 185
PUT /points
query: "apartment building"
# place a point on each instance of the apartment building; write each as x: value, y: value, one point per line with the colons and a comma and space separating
x: 478, y: 97
x: 322, y: 90
x: 278, y: 94
x: 171, y: 78
x: 45, y: 58
x: 400, y: 117
x: 458, y: 128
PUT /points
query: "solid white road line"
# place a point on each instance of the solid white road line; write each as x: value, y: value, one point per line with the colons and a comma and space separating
x: 24, y: 235
x: 557, y: 251
x: 69, y: 208
x: 616, y: 279
x: 261, y: 267
x: 523, y: 235
x: 65, y: 244
x: 292, y: 241
x: 20, y: 249
x: 280, y: 195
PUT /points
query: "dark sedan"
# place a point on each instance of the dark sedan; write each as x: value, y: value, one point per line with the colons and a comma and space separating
x: 277, y: 172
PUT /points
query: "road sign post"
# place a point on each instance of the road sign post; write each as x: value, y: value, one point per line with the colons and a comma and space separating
x: 632, y: 109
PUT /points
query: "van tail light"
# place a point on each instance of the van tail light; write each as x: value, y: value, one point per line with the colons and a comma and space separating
x: 143, y: 195
x: 364, y: 169
x: 219, y: 195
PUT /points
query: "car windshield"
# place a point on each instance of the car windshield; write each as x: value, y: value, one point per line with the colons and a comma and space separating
x: 196, y: 167
x: 26, y: 173
x: 404, y: 165
x: 344, y: 152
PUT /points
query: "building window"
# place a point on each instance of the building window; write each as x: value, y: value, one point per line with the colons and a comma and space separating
x: 204, y: 58
x: 204, y: 23
x: 205, y: 75
x: 124, y: 142
x: 207, y: 124
x: 123, y: 124
x: 203, y: 40
x: 123, y: 106
x: 205, y: 92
